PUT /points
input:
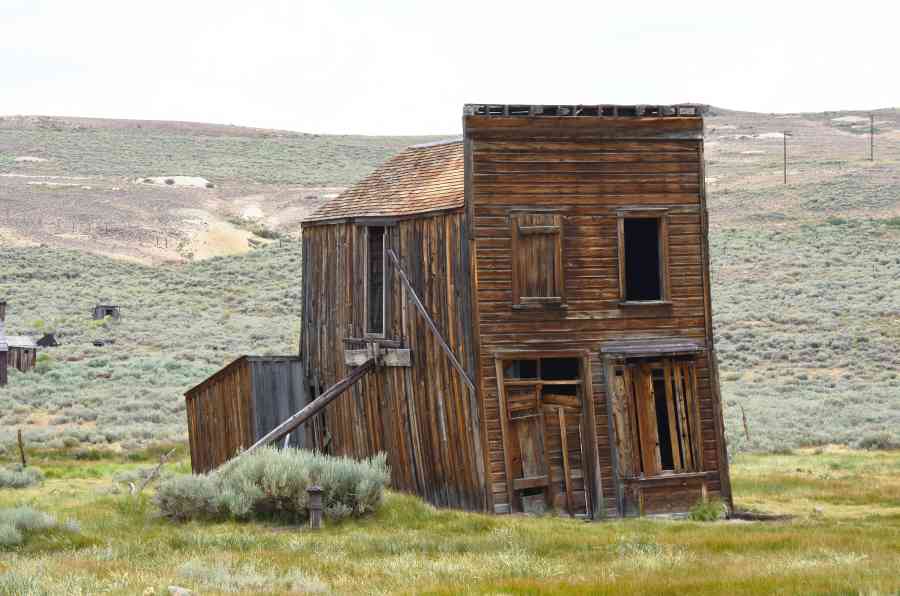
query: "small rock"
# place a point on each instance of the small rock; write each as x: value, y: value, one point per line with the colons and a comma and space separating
x: 818, y: 510
x: 179, y: 591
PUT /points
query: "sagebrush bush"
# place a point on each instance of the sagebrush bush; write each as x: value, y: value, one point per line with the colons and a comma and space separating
x: 20, y: 477
x: 17, y: 522
x: 705, y: 511
x: 272, y: 483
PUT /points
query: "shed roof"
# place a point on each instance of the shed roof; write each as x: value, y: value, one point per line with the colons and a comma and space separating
x: 420, y: 179
x: 20, y: 341
x: 634, y: 348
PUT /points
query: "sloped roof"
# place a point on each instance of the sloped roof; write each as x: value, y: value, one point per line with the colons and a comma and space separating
x: 20, y: 341
x: 420, y: 179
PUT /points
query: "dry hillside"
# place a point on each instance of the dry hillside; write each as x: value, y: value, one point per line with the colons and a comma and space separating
x: 806, y: 275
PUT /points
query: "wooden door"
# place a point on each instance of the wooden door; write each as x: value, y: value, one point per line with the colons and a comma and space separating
x: 546, y: 447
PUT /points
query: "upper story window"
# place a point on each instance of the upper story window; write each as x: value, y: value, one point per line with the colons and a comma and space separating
x: 537, y: 260
x: 376, y: 299
x: 643, y: 256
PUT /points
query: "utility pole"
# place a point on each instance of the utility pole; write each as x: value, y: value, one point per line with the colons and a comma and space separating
x: 786, y: 135
x: 871, y: 137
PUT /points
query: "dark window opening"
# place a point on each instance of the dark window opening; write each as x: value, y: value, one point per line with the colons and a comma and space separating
x: 560, y: 390
x: 642, y: 263
x: 375, y: 281
x: 559, y: 369
x: 521, y: 369
x: 667, y: 460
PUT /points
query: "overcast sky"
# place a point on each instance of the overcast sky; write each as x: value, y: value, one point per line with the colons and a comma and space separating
x: 406, y: 67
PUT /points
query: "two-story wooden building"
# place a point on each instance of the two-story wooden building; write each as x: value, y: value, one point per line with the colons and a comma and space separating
x: 537, y: 294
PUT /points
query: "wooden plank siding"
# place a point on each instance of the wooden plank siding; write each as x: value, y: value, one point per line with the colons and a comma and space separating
x: 423, y: 417
x: 237, y: 405
x: 585, y: 170
x: 219, y: 415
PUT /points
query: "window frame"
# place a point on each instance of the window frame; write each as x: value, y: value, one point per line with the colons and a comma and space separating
x: 684, y: 418
x: 665, y: 288
x: 384, y: 279
x: 520, y: 302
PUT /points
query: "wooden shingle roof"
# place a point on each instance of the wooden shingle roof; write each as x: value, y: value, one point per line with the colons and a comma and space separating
x: 420, y: 179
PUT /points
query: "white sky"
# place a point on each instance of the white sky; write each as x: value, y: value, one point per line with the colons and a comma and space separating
x: 405, y: 67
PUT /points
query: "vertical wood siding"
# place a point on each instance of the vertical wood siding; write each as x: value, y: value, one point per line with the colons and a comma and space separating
x: 239, y: 404
x: 219, y: 416
x: 423, y: 417
x: 22, y: 359
x: 586, y: 181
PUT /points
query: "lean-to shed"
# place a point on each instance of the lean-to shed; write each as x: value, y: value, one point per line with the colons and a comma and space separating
x: 106, y: 310
x: 22, y: 352
x: 236, y: 406
x: 536, y: 296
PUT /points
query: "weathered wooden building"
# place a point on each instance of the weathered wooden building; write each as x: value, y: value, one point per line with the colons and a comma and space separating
x: 22, y: 353
x: 536, y: 295
x: 239, y: 404
x: 102, y: 311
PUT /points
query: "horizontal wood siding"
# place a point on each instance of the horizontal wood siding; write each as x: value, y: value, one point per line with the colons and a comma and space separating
x: 423, y: 417
x: 586, y: 177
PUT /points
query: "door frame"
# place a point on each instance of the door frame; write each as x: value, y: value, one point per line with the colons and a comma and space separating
x: 593, y: 483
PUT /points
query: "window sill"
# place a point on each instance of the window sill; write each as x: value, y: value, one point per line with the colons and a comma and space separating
x: 669, y: 478
x: 628, y: 303
x: 541, y: 306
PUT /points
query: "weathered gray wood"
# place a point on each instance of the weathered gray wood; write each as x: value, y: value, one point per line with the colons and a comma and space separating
x: 315, y: 407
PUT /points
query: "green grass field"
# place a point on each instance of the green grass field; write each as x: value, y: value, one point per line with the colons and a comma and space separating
x: 842, y: 537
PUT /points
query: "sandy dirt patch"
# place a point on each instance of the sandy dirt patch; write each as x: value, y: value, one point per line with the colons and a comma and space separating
x: 176, y: 181
x: 252, y: 212
x: 849, y: 119
x: 220, y: 239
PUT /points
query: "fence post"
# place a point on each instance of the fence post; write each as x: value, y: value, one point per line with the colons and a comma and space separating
x: 22, y: 449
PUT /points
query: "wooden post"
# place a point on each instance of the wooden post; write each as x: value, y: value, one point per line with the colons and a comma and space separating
x: 567, y: 475
x: 22, y: 449
x: 746, y: 426
x: 315, y: 507
x: 871, y: 137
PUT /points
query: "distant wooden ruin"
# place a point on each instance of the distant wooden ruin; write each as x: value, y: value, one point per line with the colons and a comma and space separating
x: 22, y: 352
x: 521, y: 319
x: 101, y: 311
x: 19, y: 352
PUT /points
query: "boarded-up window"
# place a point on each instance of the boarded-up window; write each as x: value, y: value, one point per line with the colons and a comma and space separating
x: 656, y: 414
x: 375, y: 297
x: 643, y: 256
x: 537, y: 260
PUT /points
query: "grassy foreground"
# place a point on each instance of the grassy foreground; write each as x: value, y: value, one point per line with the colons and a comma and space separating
x: 844, y: 538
